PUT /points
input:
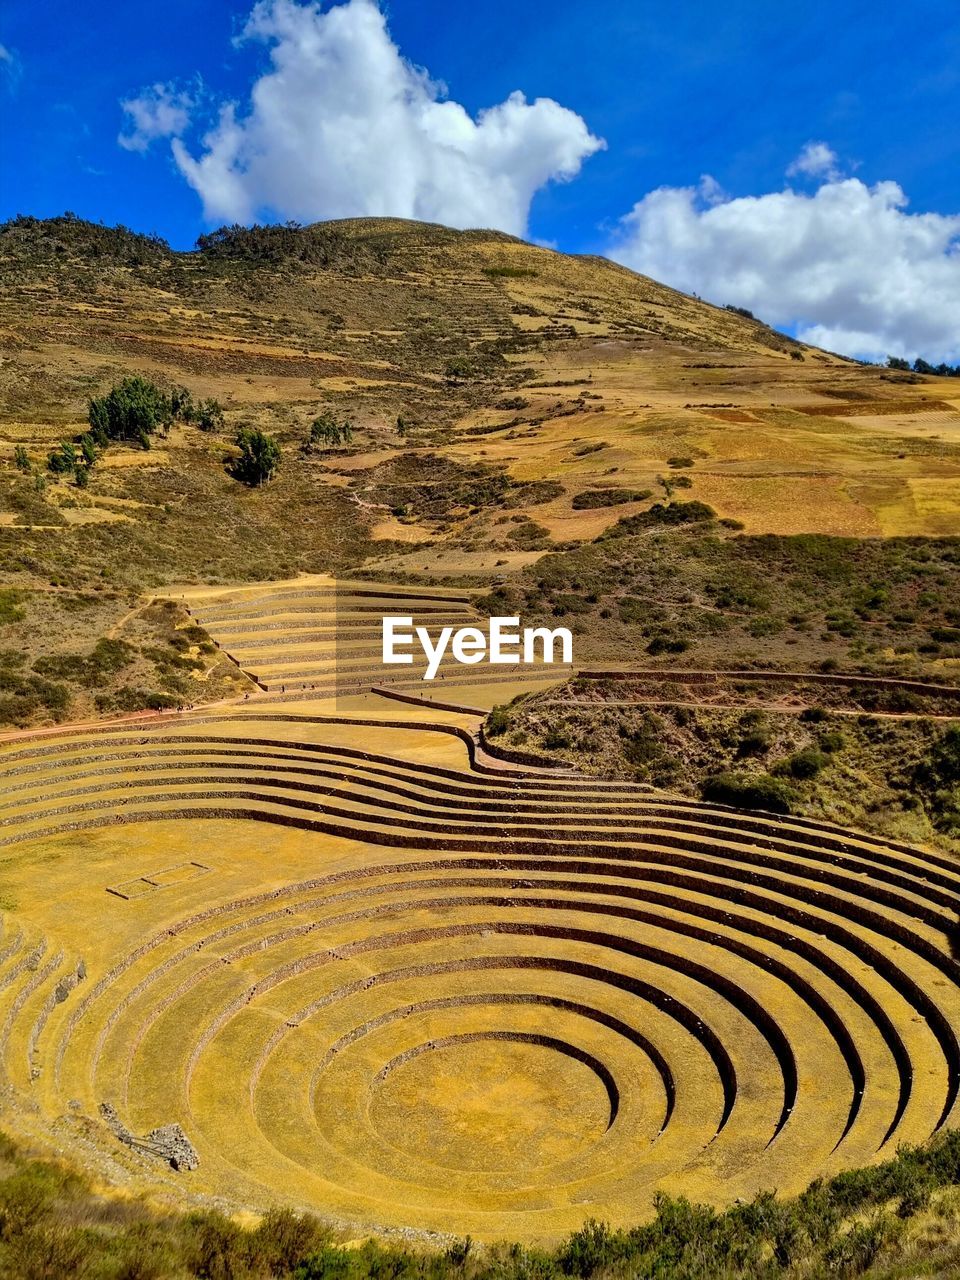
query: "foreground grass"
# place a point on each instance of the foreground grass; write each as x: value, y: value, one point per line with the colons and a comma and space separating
x: 896, y: 1219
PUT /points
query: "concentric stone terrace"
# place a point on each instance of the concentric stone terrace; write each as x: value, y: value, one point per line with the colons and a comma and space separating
x: 371, y: 970
x: 320, y: 637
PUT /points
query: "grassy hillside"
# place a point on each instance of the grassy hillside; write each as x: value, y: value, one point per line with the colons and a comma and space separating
x: 757, y: 547
x: 585, y: 383
x: 505, y: 401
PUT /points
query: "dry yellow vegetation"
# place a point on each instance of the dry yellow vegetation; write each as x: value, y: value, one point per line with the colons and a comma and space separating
x: 372, y: 963
x: 557, y: 369
x: 375, y: 970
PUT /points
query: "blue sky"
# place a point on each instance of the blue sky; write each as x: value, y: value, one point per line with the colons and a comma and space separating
x: 733, y: 90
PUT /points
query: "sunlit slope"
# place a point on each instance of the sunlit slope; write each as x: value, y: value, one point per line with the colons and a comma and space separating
x: 571, y: 375
x: 332, y: 939
x: 321, y: 638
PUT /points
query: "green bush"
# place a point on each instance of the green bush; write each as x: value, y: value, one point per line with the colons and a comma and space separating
x: 498, y: 722
x: 458, y: 369
x: 754, y: 743
x: 748, y: 791
x: 62, y: 460
x: 590, y: 499
x: 673, y: 513
x: 803, y: 764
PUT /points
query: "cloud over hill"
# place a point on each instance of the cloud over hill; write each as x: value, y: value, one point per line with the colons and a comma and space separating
x: 342, y: 125
x: 845, y: 264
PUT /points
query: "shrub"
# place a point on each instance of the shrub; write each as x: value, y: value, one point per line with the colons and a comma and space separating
x: 498, y: 722
x: 590, y: 499
x: 528, y: 533
x: 813, y: 715
x: 673, y: 513
x: 21, y: 459
x: 748, y: 791
x: 803, y: 764
x: 665, y: 643
x: 458, y: 369
x: 755, y: 743
x: 510, y: 273
x: 62, y: 460
x: 208, y: 415
x: 644, y: 745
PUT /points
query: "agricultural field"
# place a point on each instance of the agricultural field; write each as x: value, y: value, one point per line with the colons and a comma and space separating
x: 289, y: 929
x: 256, y: 919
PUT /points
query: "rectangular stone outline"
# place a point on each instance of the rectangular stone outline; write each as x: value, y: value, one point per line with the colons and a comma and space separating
x: 152, y: 881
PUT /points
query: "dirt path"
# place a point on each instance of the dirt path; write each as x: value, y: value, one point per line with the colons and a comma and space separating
x: 117, y: 627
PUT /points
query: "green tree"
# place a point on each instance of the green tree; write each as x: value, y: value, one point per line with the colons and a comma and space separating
x: 21, y: 459
x: 208, y: 415
x: 259, y: 457
x: 88, y: 448
x: 134, y: 410
x: 63, y: 459
x: 327, y: 433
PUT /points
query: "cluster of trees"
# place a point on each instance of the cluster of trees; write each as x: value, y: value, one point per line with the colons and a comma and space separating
x: 327, y: 432
x: 71, y: 238
x: 135, y: 409
x: 924, y: 366
x: 320, y: 245
x: 132, y: 411
x: 74, y: 457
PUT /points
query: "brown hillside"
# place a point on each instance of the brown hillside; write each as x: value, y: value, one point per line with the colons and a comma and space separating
x: 570, y: 375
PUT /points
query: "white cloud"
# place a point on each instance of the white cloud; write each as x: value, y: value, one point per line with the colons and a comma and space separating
x: 10, y: 66
x: 816, y: 160
x: 846, y: 267
x: 341, y: 125
x: 162, y: 111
